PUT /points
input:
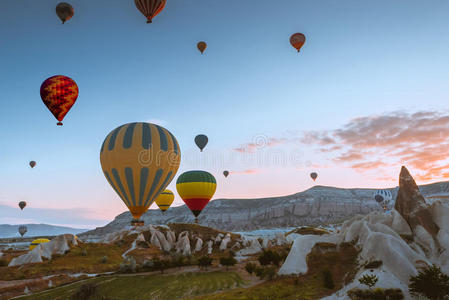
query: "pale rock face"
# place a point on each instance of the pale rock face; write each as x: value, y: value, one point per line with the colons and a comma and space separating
x: 236, y: 246
x: 218, y: 238
x: 280, y: 239
x: 399, y: 224
x: 198, y: 245
x: 158, y: 239
x: 210, y: 243
x: 224, y: 242
x: 253, y: 248
x: 266, y: 243
x: 171, y: 238
x: 183, y: 244
x: 58, y: 245
x: 155, y: 241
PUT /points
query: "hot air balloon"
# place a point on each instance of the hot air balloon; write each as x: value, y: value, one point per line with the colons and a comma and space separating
x: 64, y: 11
x: 314, y: 176
x: 201, y: 141
x: 32, y: 164
x: 225, y: 173
x: 139, y: 160
x: 59, y: 93
x: 36, y: 242
x: 22, y: 204
x: 201, y: 46
x: 384, y: 198
x: 165, y: 199
x: 150, y: 8
x: 297, y: 40
x: 196, y: 188
x: 22, y: 230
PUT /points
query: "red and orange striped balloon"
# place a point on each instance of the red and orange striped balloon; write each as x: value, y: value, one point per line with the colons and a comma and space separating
x: 150, y: 8
x: 297, y: 40
x: 59, y: 93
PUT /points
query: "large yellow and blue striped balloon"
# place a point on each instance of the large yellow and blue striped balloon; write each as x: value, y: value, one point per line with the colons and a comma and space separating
x: 139, y: 160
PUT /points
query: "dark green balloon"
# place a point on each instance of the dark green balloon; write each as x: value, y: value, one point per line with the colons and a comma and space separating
x: 201, y: 141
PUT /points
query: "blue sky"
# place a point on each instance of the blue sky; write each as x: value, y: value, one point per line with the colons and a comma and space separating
x: 361, y: 59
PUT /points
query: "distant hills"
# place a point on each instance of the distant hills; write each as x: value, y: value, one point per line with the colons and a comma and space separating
x: 315, y: 206
x: 9, y: 231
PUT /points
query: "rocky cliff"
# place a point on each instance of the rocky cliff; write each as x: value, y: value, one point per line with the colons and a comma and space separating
x: 318, y: 205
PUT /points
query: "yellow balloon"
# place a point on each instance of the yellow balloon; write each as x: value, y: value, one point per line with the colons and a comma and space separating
x: 35, y: 243
x: 165, y: 199
x: 139, y: 160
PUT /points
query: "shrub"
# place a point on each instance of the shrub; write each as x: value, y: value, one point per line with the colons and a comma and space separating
x: 104, y: 259
x: 369, y: 280
x: 269, y: 257
x: 260, y: 272
x: 179, y: 261
x: 376, y: 294
x: 270, y: 273
x: 85, y: 292
x: 128, y: 265
x: 250, y: 268
x: 328, y: 281
x: 430, y: 282
x: 160, y: 264
x: 83, y: 252
x: 204, y: 262
x: 3, y: 263
x: 148, y: 264
x: 227, y: 261
x: 373, y: 264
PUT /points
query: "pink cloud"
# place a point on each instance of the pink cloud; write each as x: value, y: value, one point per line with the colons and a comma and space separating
x: 419, y: 140
x: 260, y: 142
x: 246, y: 172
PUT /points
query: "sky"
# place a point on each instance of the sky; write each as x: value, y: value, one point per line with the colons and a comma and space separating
x: 367, y: 93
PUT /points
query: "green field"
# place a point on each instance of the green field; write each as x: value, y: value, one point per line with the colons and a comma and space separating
x: 138, y: 287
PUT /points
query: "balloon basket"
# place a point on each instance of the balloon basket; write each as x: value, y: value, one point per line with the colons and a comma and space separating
x: 59, y: 123
x: 137, y: 223
x: 196, y: 220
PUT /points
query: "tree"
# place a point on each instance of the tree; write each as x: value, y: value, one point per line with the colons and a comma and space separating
x: 250, y: 268
x: 160, y: 264
x: 227, y: 261
x: 204, y: 262
x: 269, y: 257
x: 430, y: 282
x: 369, y: 280
x: 328, y: 280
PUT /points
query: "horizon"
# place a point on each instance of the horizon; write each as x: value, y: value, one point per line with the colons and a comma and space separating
x: 361, y: 98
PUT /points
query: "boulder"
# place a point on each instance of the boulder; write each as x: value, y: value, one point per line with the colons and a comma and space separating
x: 198, y: 245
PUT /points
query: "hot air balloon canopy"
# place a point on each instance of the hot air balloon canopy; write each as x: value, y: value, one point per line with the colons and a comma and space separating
x: 139, y: 160
x: 384, y: 198
x: 297, y: 40
x: 165, y: 199
x: 201, y: 141
x: 59, y: 93
x: 22, y: 204
x: 201, y: 46
x: 314, y: 175
x: 196, y: 188
x: 22, y: 230
x: 150, y: 8
x: 225, y: 173
x: 64, y: 11
x: 37, y: 242
x: 32, y: 164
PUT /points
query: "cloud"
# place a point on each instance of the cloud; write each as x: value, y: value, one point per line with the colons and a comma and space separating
x: 260, y: 142
x: 419, y: 140
x: 246, y: 172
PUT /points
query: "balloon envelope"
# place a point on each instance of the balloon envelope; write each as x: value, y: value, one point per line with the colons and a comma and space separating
x: 225, y: 173
x: 32, y: 164
x: 165, y: 199
x: 64, y: 11
x: 297, y: 40
x: 201, y: 46
x: 36, y: 242
x: 150, y: 8
x: 196, y: 188
x: 22, y: 230
x: 59, y: 93
x: 314, y: 175
x: 22, y: 204
x: 201, y: 141
x: 384, y: 198
x: 139, y: 160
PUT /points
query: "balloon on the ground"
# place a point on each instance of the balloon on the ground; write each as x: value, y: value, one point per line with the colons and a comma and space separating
x: 201, y: 46
x: 201, y: 141
x: 37, y: 242
x: 150, y: 8
x: 64, y: 11
x: 32, y: 164
x: 165, y: 199
x: 139, y: 160
x: 22, y: 230
x: 384, y: 198
x: 59, y: 93
x: 196, y: 188
x: 22, y: 204
x: 225, y: 173
x: 314, y: 175
x: 297, y: 40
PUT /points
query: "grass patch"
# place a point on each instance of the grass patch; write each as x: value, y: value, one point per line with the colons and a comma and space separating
x: 139, y: 287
